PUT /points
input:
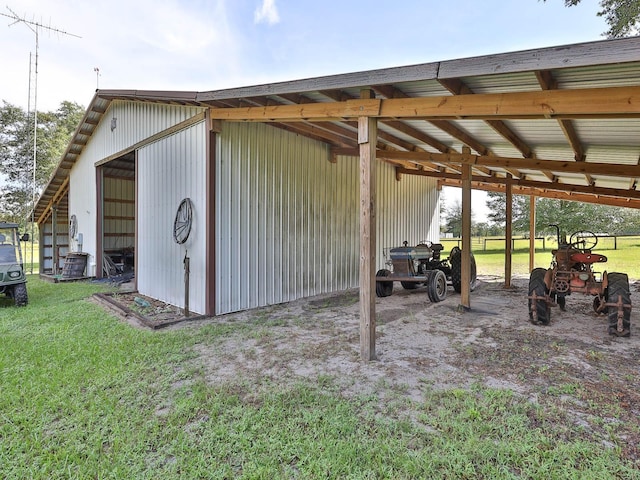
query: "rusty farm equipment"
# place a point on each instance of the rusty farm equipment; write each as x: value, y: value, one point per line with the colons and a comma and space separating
x: 572, y: 271
x: 423, y: 265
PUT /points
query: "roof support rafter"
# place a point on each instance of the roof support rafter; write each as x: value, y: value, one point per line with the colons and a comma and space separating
x: 458, y: 87
x: 610, y: 102
x: 606, y: 169
x: 532, y: 188
x: 547, y: 82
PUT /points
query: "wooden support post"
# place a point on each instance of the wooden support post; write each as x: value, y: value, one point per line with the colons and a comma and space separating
x: 465, y: 273
x: 54, y: 240
x: 508, y: 233
x: 532, y: 232
x: 367, y: 138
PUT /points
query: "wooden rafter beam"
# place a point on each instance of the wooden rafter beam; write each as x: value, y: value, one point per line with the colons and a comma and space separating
x: 323, y: 131
x: 534, y: 187
x: 390, y: 157
x: 592, y: 168
x: 339, y: 96
x: 60, y: 193
x: 458, y: 87
x: 612, y: 102
x: 602, y: 199
x: 418, y: 135
x: 391, y: 92
x: 547, y: 82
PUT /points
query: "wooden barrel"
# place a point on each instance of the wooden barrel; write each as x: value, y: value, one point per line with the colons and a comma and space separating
x: 74, y: 265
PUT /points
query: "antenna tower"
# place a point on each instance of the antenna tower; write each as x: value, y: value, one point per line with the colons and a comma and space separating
x: 32, y: 104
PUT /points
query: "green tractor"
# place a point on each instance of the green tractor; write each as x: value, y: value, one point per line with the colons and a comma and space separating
x: 13, y: 281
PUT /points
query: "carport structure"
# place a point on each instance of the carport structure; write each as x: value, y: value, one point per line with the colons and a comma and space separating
x: 559, y: 122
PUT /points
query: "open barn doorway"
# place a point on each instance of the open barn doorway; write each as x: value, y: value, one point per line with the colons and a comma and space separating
x: 117, y: 218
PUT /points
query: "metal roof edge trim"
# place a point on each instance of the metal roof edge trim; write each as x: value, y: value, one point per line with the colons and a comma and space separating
x: 601, y: 52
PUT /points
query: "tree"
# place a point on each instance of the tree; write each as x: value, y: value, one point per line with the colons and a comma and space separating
x: 570, y: 216
x: 16, y: 153
x: 622, y: 16
x: 453, y: 223
x: 497, y: 202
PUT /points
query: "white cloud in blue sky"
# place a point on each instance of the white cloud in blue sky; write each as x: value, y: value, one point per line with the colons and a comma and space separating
x: 267, y: 12
x: 214, y: 44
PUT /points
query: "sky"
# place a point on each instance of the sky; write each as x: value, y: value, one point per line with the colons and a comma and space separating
x: 202, y: 45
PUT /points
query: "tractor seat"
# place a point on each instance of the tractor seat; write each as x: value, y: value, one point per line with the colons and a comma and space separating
x: 588, y: 258
x: 437, y: 247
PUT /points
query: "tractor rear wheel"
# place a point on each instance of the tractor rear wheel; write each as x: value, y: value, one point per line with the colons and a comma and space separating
x: 437, y: 286
x: 20, y: 294
x: 538, y: 288
x: 618, y: 289
x: 455, y: 259
x: 383, y: 289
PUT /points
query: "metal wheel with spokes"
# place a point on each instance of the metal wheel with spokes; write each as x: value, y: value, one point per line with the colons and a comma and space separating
x: 182, y: 222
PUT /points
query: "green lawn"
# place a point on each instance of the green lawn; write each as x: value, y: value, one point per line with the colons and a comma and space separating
x: 85, y: 395
x: 491, y: 261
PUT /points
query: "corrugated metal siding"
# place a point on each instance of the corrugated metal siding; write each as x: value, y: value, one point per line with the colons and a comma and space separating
x: 61, y: 244
x: 168, y: 171
x: 135, y: 122
x: 288, y: 219
x: 119, y: 209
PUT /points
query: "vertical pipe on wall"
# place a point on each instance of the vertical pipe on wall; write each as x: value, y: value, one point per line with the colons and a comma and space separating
x: 213, y: 128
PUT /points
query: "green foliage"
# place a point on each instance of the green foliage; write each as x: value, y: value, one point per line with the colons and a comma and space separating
x: 16, y: 153
x: 453, y: 214
x: 622, y: 16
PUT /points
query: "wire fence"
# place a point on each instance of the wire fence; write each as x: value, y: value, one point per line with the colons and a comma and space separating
x: 605, y: 242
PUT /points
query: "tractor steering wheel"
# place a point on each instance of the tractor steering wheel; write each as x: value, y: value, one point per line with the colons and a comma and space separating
x: 583, y: 240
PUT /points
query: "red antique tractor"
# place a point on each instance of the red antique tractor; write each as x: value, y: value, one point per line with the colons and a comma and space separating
x: 572, y: 271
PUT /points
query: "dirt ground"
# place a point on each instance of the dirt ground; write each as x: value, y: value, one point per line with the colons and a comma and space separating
x: 572, y: 363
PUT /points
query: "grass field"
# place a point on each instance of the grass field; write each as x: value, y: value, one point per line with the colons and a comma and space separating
x: 86, y: 396
x: 621, y: 255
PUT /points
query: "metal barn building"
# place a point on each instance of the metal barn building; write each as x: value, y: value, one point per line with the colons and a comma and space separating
x: 297, y: 186
x: 275, y: 214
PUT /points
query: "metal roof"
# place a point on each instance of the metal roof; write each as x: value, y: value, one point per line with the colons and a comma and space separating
x: 575, y: 105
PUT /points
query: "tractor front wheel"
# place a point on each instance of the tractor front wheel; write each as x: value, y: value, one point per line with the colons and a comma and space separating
x: 383, y: 288
x: 437, y: 286
x: 539, y: 311
x: 20, y: 294
x: 618, y: 294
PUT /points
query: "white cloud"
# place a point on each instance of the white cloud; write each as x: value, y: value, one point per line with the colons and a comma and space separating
x: 268, y: 12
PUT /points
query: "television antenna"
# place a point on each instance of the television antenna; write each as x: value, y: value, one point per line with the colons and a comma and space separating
x: 32, y: 104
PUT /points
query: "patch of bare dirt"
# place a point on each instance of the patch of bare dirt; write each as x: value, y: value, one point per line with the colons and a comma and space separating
x: 572, y: 363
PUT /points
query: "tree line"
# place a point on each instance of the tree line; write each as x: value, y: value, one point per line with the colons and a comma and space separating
x: 54, y: 130
x: 570, y: 216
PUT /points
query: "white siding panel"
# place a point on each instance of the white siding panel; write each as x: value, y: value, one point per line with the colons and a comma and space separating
x: 168, y: 171
x: 288, y: 219
x: 135, y: 122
